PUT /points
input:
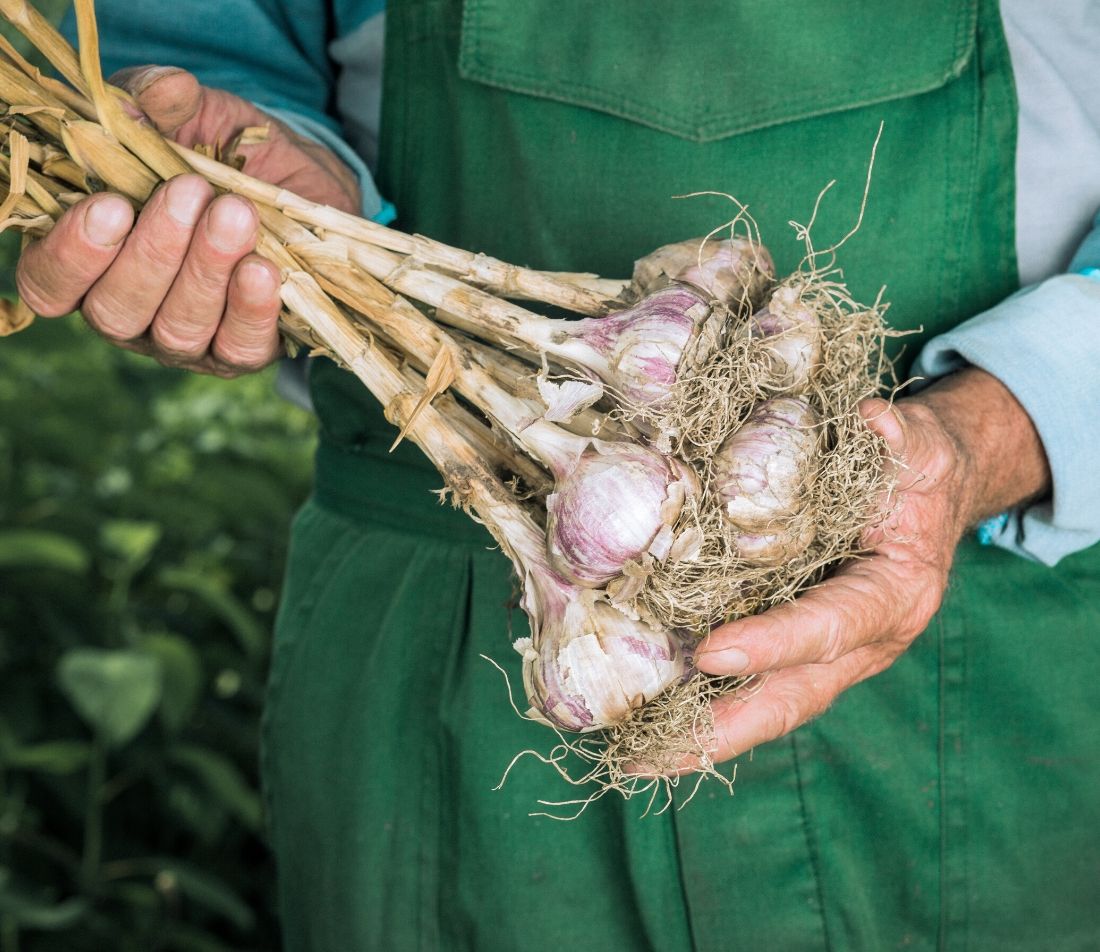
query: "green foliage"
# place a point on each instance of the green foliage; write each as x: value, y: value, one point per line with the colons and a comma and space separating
x: 143, y: 523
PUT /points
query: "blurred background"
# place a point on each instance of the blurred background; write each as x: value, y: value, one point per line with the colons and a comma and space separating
x: 143, y: 523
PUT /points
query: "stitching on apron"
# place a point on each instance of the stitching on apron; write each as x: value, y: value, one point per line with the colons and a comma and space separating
x: 953, y: 858
x: 313, y: 591
x: 811, y: 846
x: 462, y: 619
x: 710, y: 127
x: 674, y: 821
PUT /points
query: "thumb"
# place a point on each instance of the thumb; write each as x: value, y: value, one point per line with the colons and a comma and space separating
x: 883, y: 419
x: 167, y: 95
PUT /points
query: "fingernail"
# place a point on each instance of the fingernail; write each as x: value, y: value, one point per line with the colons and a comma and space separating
x: 256, y: 280
x: 729, y: 660
x: 140, y: 81
x: 107, y: 221
x: 185, y: 200
x: 231, y: 223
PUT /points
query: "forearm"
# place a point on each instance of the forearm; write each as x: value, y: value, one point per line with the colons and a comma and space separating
x: 1001, y: 462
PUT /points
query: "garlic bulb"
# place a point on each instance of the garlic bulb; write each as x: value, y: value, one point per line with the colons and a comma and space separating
x: 639, y: 352
x: 619, y: 502
x: 733, y: 272
x: 588, y: 665
x: 761, y: 477
x: 790, y: 335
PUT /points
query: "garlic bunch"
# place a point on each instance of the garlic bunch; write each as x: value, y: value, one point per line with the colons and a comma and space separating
x: 762, y: 474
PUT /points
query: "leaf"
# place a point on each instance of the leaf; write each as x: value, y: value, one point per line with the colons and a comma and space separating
x: 221, y: 778
x: 441, y: 375
x: 36, y: 912
x: 182, y: 937
x: 131, y: 540
x: 251, y: 635
x: 198, y: 885
x: 39, y: 549
x: 115, y: 692
x: 181, y: 677
x: 58, y: 757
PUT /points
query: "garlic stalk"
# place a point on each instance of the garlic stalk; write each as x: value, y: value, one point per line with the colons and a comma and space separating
x: 614, y: 502
x: 761, y: 477
x: 638, y: 353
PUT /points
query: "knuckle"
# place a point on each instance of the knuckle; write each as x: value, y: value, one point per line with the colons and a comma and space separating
x: 176, y: 346
x: 834, y: 628
x: 109, y: 319
x: 160, y: 249
x: 243, y: 360
x: 787, y: 713
x: 39, y: 300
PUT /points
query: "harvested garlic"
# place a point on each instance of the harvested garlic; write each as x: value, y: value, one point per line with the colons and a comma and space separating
x: 619, y: 502
x: 789, y: 333
x: 762, y: 474
x: 590, y: 665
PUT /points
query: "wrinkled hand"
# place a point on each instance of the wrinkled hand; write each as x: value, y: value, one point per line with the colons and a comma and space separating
x: 857, y: 623
x: 183, y: 283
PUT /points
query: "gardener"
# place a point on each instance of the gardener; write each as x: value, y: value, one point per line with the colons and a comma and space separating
x: 949, y: 801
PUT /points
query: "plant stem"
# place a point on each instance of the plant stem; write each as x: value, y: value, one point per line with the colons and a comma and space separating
x: 9, y: 934
x: 93, y: 817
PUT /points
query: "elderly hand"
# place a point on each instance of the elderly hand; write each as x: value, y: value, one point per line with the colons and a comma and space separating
x: 182, y: 284
x: 967, y: 450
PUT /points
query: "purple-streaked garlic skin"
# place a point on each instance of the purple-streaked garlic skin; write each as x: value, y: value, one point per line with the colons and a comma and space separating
x: 644, y: 345
x: 761, y: 475
x: 790, y: 334
x: 609, y: 510
x: 590, y: 666
x: 730, y: 271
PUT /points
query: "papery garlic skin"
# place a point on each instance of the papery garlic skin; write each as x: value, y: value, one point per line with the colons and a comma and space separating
x: 732, y: 271
x: 775, y: 548
x: 762, y: 474
x: 619, y: 502
x: 645, y: 345
x: 589, y: 665
x: 790, y: 335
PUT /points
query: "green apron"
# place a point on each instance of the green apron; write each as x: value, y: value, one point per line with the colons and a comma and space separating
x: 951, y: 802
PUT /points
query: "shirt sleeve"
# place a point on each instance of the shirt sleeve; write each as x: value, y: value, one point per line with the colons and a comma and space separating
x: 272, y: 52
x: 1043, y: 343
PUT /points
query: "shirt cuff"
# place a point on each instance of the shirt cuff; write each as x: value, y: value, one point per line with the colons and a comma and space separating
x: 374, y: 207
x: 1043, y: 343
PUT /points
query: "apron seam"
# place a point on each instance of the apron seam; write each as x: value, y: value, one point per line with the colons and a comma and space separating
x: 462, y: 612
x: 954, y: 852
x: 811, y: 846
x: 686, y: 896
x: 319, y: 582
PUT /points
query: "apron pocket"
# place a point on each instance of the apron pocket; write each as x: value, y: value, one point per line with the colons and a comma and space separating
x: 717, y: 72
